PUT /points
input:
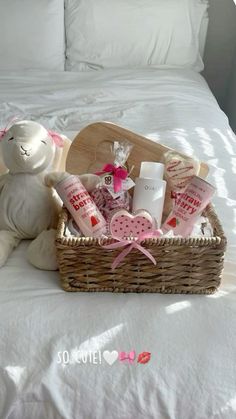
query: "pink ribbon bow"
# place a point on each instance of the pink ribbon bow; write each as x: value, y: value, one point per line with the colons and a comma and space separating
x: 118, y: 173
x: 130, y: 245
x: 127, y: 356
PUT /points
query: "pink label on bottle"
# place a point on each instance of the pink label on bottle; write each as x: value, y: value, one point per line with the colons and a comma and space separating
x: 188, y: 206
x: 81, y: 206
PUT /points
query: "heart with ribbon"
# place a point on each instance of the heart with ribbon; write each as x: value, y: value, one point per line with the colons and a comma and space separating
x: 130, y: 244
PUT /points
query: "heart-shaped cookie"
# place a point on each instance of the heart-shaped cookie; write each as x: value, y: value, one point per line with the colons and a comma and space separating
x: 123, y: 224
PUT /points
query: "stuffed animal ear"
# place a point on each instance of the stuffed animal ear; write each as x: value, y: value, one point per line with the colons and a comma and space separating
x: 2, y: 133
x: 57, y: 138
x: 9, y: 124
x: 3, y: 168
x: 61, y: 150
x: 59, y: 161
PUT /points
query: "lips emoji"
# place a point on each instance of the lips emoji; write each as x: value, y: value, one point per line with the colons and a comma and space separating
x: 144, y: 357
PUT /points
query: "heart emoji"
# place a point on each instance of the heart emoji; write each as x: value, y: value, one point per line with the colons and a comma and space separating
x: 110, y: 356
x: 123, y: 224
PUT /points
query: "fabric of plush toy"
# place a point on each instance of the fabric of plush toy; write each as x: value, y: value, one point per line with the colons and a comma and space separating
x: 28, y: 206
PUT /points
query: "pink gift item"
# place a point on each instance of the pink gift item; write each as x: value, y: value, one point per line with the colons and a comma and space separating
x: 112, y: 191
x: 188, y: 206
x: 107, y: 204
x: 81, y: 206
x: 118, y: 174
x: 131, y: 244
x: 179, y: 170
x: 123, y: 224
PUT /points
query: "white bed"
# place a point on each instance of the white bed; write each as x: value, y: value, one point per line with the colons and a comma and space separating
x: 192, y: 340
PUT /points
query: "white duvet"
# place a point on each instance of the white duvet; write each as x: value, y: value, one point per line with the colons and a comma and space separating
x: 192, y: 339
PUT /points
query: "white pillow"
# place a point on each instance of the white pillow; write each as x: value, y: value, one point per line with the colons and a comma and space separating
x: 32, y: 35
x: 133, y: 33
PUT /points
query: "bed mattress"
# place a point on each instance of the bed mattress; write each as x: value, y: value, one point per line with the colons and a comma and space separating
x: 45, y: 332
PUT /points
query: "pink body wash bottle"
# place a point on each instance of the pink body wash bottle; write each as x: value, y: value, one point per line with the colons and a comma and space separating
x: 81, y: 206
x: 188, y: 206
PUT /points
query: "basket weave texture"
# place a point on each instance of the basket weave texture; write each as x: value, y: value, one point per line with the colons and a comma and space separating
x: 184, y: 266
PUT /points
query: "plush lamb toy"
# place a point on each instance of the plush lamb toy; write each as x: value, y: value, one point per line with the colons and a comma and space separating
x: 28, y: 208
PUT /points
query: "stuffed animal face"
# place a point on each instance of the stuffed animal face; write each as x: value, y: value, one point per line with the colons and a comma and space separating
x: 27, y: 147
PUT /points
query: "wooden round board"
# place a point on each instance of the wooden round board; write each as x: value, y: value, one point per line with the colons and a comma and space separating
x: 90, y: 149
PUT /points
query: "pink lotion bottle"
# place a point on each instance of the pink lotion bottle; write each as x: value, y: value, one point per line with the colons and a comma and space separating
x: 188, y: 207
x: 81, y: 206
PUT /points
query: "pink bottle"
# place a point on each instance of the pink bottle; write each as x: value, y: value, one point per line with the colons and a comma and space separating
x: 81, y: 206
x: 188, y: 206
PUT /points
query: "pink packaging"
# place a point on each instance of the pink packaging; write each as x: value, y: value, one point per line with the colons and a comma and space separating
x: 188, y: 206
x: 81, y: 206
x: 107, y: 204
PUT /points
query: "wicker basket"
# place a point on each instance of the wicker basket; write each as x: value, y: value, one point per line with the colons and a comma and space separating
x: 192, y: 265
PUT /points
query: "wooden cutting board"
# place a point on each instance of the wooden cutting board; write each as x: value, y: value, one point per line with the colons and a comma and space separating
x: 90, y: 149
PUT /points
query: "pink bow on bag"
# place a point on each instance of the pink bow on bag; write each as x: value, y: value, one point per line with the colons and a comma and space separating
x: 127, y: 356
x: 118, y: 173
x: 130, y: 245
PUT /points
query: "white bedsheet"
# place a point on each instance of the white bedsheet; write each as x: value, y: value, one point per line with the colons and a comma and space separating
x: 192, y: 340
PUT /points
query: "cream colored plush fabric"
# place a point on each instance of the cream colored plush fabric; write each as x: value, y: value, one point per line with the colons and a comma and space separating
x: 28, y: 206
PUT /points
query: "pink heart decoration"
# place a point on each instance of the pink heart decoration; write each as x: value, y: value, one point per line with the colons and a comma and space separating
x: 123, y: 224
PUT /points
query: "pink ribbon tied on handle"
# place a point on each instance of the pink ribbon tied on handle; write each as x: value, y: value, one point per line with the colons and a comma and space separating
x: 130, y: 245
x: 118, y: 173
x: 127, y: 356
